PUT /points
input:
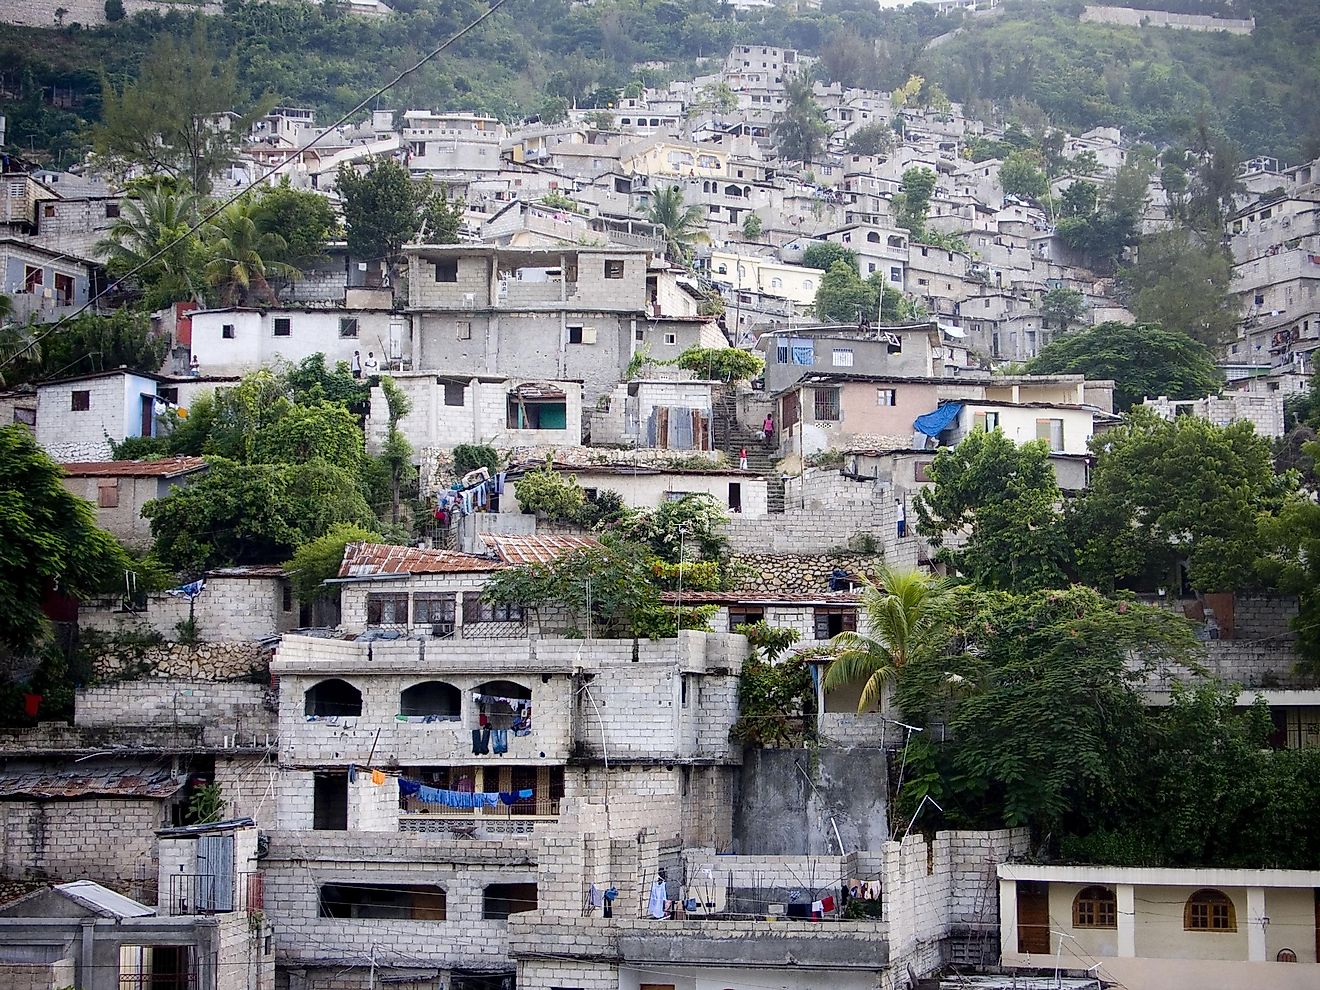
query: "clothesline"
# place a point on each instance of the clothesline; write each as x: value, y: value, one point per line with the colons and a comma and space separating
x: 461, y: 799
x: 464, y: 501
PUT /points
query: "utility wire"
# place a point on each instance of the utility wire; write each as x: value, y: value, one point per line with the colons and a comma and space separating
x: 92, y: 300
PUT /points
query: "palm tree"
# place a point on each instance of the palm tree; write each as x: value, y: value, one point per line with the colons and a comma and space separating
x: 906, y: 614
x: 237, y: 249
x: 682, y: 225
x: 158, y: 221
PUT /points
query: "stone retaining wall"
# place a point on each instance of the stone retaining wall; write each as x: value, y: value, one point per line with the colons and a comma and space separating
x: 805, y: 573
x: 38, y: 13
x: 203, y: 662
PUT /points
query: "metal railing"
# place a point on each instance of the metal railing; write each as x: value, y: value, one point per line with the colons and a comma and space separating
x: 205, y: 893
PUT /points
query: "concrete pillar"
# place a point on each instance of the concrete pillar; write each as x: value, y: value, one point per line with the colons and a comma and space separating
x: 1257, y: 921
x: 1008, y: 936
x: 1125, y: 895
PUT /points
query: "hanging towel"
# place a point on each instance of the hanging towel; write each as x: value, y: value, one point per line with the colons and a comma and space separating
x: 407, y: 788
x: 525, y: 794
x: 596, y: 898
x: 377, y: 777
x: 655, y: 906
x: 817, y: 907
x: 507, y: 797
x: 827, y: 904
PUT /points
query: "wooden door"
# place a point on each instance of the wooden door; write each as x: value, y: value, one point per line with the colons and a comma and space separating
x: 1033, y: 916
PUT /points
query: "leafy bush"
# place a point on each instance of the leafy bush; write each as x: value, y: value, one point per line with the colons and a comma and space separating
x: 470, y: 456
x: 550, y: 493
x: 702, y: 575
x: 776, y: 702
x: 728, y: 364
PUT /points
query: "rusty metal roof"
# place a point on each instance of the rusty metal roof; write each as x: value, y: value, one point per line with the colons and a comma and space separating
x: 762, y: 597
x: 168, y: 467
x: 147, y: 780
x: 536, y: 549
x: 368, y: 560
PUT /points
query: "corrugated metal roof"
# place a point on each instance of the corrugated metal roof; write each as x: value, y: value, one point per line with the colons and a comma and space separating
x: 149, y: 780
x: 103, y: 900
x: 536, y: 549
x: 365, y: 560
x: 169, y: 467
x: 762, y: 597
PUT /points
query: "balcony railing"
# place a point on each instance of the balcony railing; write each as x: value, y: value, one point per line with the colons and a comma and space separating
x: 453, y: 823
x: 206, y: 893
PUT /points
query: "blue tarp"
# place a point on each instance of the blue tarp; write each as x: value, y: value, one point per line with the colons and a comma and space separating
x: 934, y: 423
x: 804, y: 351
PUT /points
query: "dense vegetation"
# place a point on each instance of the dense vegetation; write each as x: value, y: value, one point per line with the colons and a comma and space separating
x: 1035, y: 57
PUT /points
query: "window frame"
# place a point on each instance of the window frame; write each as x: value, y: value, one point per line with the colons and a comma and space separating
x: 377, y: 602
x: 1199, y: 912
x: 80, y: 400
x: 347, y: 322
x: 847, y: 613
x: 1095, y: 907
x: 826, y: 404
x: 614, y: 268
x: 841, y: 357
x: 107, y: 493
x: 886, y: 397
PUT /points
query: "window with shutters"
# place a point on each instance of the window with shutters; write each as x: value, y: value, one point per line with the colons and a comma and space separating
x: 464, y: 329
x: 826, y: 404
x: 832, y: 620
x: 107, y: 493
x: 886, y: 396
x: 744, y: 615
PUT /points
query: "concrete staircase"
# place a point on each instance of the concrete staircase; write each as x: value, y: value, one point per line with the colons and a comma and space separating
x: 732, y: 438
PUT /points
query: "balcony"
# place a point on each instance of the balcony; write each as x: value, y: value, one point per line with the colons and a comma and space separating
x: 207, y: 893
x: 492, y: 821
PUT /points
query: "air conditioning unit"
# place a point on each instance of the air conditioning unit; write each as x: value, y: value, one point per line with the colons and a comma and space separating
x: 442, y: 630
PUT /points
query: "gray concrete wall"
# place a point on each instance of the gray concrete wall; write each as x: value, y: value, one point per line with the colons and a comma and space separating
x: 779, y: 811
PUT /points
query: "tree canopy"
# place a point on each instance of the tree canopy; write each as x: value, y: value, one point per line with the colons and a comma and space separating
x: 1143, y: 361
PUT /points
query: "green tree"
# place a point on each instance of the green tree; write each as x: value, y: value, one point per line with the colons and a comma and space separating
x: 253, y: 513
x: 1040, y: 706
x: 1169, y: 494
x: 683, y: 226
x: 1021, y: 175
x: 873, y: 139
x: 913, y: 203
x: 1006, y: 499
x: 441, y: 219
x: 1143, y: 361
x: 1290, y: 562
x: 905, y: 618
x: 801, y: 129
x: 842, y: 296
x: 316, y: 561
x: 553, y: 110
x: 380, y: 208
x: 823, y: 255
x: 114, y: 10
x: 97, y: 343
x: 752, y: 227
x: 240, y: 255
x: 51, y: 543
x: 171, y: 118
x: 1062, y: 307
x: 305, y: 220
x: 1080, y: 199
x: 1182, y: 285
x: 157, y: 222
x: 396, y: 455
x: 323, y: 431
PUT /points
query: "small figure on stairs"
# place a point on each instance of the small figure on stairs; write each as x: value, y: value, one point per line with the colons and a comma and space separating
x: 768, y: 427
x: 742, y: 459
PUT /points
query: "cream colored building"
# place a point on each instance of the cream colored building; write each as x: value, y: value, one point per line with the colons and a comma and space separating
x: 749, y: 273
x: 1164, y: 929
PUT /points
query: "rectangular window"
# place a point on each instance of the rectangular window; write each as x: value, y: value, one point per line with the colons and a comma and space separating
x: 48, y: 210
x: 33, y: 278
x: 286, y: 597
x: 921, y: 471
x: 830, y: 621
x: 826, y: 404
x: 895, y: 274
x: 396, y: 902
x: 475, y: 611
x: 575, y: 335
x: 781, y: 352
x: 446, y: 271
x: 330, y: 801
x: 454, y: 393
x: 81, y: 400
x: 107, y: 493
x: 886, y: 396
x: 745, y: 615
x: 111, y: 210
x: 537, y: 415
x: 986, y: 421
x: 843, y: 357
x: 613, y: 269
x: 434, y: 608
x: 168, y: 393
x: 283, y: 326
x: 499, y: 900
x: 464, y: 329
x: 348, y: 326
x: 385, y: 609
x: 671, y: 338
x: 227, y: 331
x: 63, y: 289
x: 1052, y: 431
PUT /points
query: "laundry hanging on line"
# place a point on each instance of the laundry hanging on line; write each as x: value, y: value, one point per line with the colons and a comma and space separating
x: 461, y: 799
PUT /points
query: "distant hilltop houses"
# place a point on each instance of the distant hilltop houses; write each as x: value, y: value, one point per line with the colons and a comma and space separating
x: 504, y: 561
